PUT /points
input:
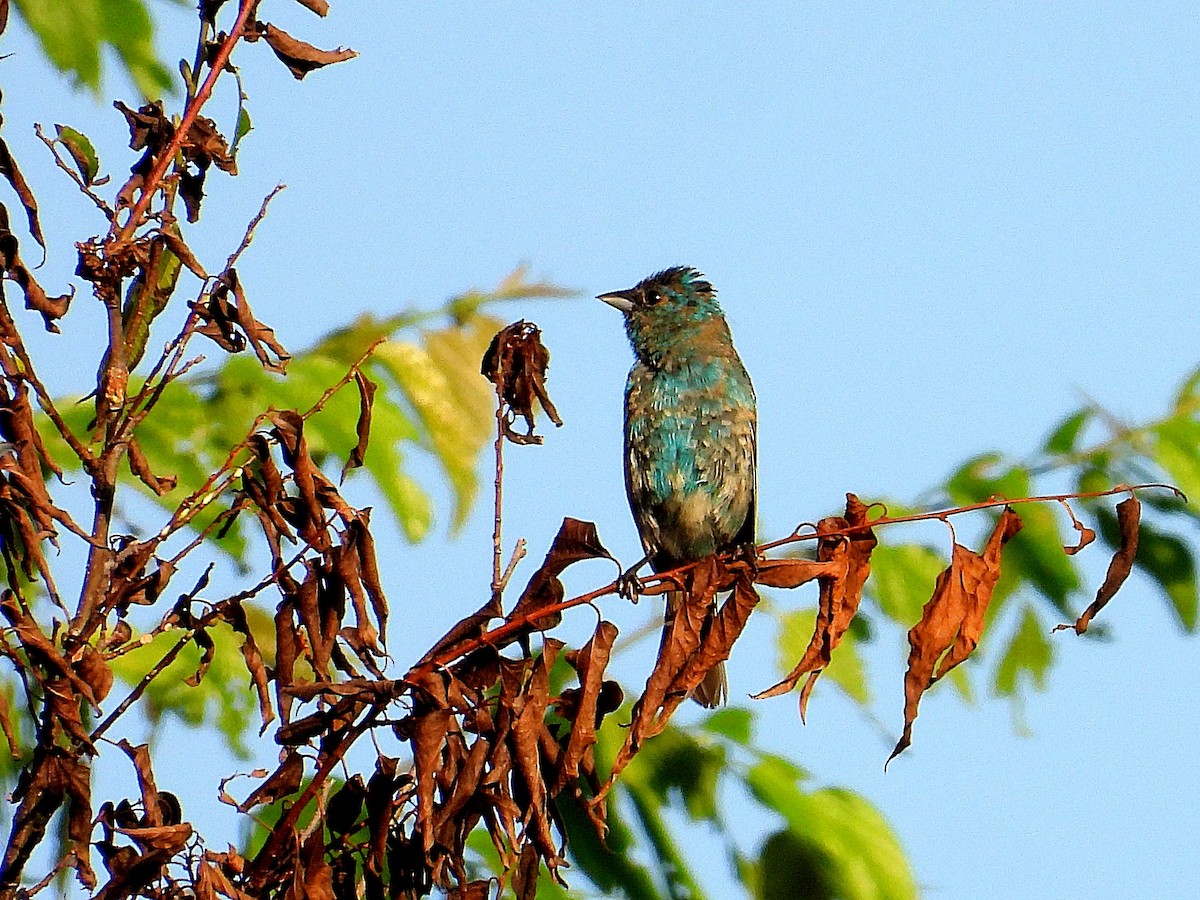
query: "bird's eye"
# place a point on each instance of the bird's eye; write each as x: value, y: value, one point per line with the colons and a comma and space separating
x: 653, y: 297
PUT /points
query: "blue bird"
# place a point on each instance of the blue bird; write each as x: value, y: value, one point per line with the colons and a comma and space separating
x: 690, y: 431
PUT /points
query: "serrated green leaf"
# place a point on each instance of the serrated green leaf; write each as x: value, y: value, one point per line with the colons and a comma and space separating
x: 845, y: 667
x: 82, y: 153
x: 1064, y: 437
x: 1028, y: 656
x: 902, y: 579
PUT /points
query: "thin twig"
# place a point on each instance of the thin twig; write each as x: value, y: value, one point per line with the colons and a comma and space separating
x: 661, y: 581
x: 254, y: 223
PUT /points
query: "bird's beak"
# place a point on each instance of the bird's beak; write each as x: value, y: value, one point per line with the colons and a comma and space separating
x: 622, y: 300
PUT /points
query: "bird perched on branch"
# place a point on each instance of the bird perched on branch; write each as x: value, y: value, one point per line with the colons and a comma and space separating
x: 690, y: 431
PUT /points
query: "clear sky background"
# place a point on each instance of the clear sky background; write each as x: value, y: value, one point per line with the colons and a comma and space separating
x: 935, y: 230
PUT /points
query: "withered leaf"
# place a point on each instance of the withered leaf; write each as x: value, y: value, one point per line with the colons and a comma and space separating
x: 381, y: 801
x: 208, y: 652
x: 1129, y: 514
x: 576, y: 541
x: 589, y: 662
x: 318, y: 874
x: 516, y: 363
x: 283, y: 782
x: 952, y: 620
x: 139, y: 755
x: 235, y: 615
x: 346, y: 806
x: 140, y: 466
x: 286, y: 650
x: 844, y: 544
x: 301, y: 57
x: 93, y: 669
x: 12, y: 174
x: 320, y: 7
x: 6, y: 728
x: 366, y: 400
x: 36, y: 298
x: 526, y: 741
x: 1086, y: 535
x: 431, y: 722
x: 166, y: 840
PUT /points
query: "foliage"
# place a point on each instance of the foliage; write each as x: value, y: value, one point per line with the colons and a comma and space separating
x: 498, y: 754
x: 75, y: 33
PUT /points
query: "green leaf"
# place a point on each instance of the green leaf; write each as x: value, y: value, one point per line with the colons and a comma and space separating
x: 834, y: 831
x: 730, y: 722
x: 83, y: 154
x: 244, y: 127
x: 845, y: 665
x: 677, y: 765
x: 1028, y: 656
x: 73, y: 34
x: 128, y: 28
x: 791, y: 868
x: 1177, y: 450
x: 902, y: 579
x: 1064, y: 437
x: 440, y: 379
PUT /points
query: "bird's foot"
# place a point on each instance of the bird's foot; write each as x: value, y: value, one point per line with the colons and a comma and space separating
x: 628, y: 585
x: 746, y: 554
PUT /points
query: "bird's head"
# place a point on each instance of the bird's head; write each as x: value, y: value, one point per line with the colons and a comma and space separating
x: 667, y: 305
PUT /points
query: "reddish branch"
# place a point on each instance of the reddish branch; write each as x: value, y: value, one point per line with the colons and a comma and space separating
x: 154, y: 179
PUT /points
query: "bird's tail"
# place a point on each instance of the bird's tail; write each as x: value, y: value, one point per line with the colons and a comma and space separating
x: 712, y: 691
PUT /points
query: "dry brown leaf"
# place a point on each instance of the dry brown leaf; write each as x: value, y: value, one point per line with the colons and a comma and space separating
x: 235, y: 615
x: 12, y: 174
x: 300, y: 57
x: 6, y: 728
x: 366, y: 401
x: 576, y: 541
x: 140, y: 466
x: 430, y: 723
x: 516, y: 362
x: 1129, y: 513
x: 381, y: 801
x: 1086, y: 535
x: 283, y: 782
x: 526, y: 734
x: 846, y: 555
x: 590, y: 662
x: 952, y: 619
x: 318, y: 874
x: 93, y: 669
x: 286, y: 650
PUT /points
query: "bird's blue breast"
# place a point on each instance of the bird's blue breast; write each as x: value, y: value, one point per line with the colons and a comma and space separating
x: 690, y: 454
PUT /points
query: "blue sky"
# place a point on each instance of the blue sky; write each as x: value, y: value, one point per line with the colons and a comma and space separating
x: 935, y: 230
